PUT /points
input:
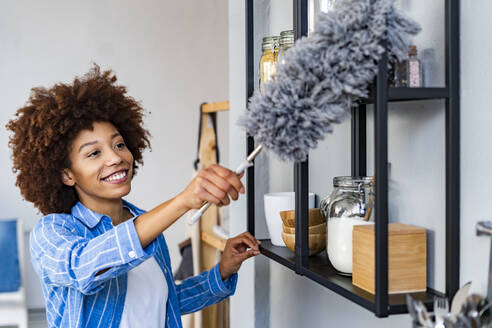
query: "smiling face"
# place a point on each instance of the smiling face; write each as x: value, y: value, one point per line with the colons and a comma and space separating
x: 102, y: 165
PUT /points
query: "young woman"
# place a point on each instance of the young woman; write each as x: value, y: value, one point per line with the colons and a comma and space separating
x: 102, y: 261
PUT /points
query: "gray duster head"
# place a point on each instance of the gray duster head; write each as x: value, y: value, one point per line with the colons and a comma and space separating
x: 324, y: 74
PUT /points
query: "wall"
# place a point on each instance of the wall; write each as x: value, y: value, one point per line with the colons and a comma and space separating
x: 172, y: 55
x: 416, y: 175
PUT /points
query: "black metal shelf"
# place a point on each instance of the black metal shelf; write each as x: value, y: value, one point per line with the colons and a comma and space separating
x: 318, y: 268
x: 279, y: 254
x: 410, y: 94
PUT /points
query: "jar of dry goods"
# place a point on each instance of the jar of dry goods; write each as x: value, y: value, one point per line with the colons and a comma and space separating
x: 286, y: 41
x: 350, y: 203
x: 268, y: 61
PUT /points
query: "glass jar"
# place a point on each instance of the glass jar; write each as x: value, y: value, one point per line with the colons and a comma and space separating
x: 315, y: 7
x: 350, y: 203
x: 268, y: 61
x: 286, y: 41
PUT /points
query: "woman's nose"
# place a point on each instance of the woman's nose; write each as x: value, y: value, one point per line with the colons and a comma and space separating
x: 113, y: 158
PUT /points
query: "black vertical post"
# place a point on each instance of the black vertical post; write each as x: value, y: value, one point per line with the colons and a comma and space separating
x: 300, y: 18
x: 301, y: 185
x: 381, y: 208
x: 358, y: 144
x: 301, y: 177
x: 452, y: 147
x: 250, y: 143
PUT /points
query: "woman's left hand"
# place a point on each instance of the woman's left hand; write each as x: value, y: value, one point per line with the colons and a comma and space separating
x: 235, y: 252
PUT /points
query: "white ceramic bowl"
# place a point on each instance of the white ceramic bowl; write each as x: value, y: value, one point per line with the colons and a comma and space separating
x: 274, y: 203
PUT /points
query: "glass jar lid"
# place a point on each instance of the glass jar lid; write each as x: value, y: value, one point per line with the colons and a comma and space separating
x: 353, y: 182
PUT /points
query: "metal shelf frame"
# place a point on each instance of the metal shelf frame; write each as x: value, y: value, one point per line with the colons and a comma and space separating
x: 318, y: 268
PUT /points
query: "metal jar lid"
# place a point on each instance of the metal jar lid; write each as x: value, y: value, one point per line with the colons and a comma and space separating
x: 269, y: 43
x: 287, y: 38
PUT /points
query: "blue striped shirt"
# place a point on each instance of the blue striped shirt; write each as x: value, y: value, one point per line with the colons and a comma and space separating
x: 68, y: 250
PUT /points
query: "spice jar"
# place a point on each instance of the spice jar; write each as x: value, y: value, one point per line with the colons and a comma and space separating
x: 268, y: 61
x: 415, y: 72
x: 350, y: 203
x: 286, y: 41
x: 409, y: 73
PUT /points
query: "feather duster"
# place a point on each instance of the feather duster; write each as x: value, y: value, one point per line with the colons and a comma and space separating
x: 324, y: 74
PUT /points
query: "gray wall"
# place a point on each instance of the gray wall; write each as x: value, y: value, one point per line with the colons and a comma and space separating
x: 172, y: 55
x: 416, y: 176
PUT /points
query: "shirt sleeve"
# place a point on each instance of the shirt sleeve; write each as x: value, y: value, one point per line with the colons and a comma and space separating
x: 63, y: 258
x: 200, y: 291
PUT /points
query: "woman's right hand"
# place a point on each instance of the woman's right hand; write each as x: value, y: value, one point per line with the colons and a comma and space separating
x: 214, y: 184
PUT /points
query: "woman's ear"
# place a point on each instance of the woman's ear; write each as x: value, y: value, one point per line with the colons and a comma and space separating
x: 67, y: 178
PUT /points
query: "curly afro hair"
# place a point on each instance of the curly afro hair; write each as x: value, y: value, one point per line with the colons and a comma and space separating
x: 44, y: 129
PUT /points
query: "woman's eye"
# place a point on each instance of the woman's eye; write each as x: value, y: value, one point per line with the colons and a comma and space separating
x: 121, y: 145
x: 94, y: 153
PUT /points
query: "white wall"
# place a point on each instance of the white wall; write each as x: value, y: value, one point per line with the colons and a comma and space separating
x: 416, y: 153
x: 172, y: 55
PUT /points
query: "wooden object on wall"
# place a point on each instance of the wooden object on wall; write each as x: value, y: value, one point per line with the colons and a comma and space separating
x: 407, y: 258
x: 213, y: 316
x: 213, y: 240
x: 215, y: 107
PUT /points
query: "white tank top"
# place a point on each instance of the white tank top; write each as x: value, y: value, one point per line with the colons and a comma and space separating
x: 146, y: 297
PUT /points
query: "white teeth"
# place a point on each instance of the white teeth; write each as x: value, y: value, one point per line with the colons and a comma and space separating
x: 116, y: 176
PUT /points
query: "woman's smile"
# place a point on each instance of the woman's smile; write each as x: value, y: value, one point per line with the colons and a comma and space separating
x: 117, y: 177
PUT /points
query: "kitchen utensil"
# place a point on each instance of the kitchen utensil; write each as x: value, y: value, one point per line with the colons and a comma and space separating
x: 471, y: 309
x: 247, y: 163
x: 449, y: 322
x: 411, y: 308
x: 463, y: 321
x: 484, y: 228
x: 314, y: 218
x: 418, y: 312
x: 424, y: 315
x: 319, y: 228
x: 484, y: 315
x: 459, y: 299
x: 316, y: 242
x: 441, y: 308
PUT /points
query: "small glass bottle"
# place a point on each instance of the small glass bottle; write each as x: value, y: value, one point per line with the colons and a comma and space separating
x: 409, y: 73
x: 286, y: 41
x: 268, y: 61
x: 415, y: 72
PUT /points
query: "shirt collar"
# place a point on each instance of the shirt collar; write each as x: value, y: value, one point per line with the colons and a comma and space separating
x: 91, y: 218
